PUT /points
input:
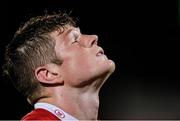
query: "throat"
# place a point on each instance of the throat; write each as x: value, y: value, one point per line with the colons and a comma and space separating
x: 83, y: 105
x: 89, y: 106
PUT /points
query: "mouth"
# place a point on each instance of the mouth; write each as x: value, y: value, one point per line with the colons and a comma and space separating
x: 100, y: 52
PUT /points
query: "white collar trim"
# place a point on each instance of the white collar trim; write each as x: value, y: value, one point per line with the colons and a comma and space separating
x: 55, y: 110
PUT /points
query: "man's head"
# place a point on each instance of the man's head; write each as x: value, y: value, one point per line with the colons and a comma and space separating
x: 50, y: 51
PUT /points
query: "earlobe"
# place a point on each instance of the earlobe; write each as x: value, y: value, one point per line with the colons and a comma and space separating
x: 48, y: 74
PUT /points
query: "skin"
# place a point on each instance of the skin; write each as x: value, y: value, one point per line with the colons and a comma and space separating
x: 74, y: 86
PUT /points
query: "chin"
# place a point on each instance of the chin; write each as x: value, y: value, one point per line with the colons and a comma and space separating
x: 112, y: 66
x: 108, y: 69
x: 107, y: 72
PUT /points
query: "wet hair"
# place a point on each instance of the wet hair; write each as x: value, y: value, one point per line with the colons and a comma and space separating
x: 32, y: 47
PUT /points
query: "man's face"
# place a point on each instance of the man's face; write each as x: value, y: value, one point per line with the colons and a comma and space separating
x: 83, y: 59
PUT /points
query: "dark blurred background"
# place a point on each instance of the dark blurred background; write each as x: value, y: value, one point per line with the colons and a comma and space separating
x: 142, y: 37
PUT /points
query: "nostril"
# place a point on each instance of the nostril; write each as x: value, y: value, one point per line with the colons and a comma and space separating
x: 94, y: 42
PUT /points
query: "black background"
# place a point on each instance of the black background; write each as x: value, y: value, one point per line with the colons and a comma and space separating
x: 142, y: 37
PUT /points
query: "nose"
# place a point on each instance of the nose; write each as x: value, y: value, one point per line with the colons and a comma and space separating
x: 89, y: 40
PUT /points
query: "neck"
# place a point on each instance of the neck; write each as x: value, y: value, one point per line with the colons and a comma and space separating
x: 81, y: 103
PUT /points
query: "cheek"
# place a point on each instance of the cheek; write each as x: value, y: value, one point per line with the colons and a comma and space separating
x: 80, y: 63
x: 77, y: 65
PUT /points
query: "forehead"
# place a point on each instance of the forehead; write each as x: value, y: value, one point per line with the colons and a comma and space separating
x: 72, y: 29
x: 64, y: 31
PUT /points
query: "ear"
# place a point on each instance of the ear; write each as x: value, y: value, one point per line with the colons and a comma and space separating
x: 49, y: 74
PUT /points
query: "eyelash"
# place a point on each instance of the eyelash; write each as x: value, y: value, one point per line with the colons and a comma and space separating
x: 76, y: 36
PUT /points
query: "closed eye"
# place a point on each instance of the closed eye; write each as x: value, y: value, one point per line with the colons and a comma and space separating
x: 74, y: 42
x: 76, y: 36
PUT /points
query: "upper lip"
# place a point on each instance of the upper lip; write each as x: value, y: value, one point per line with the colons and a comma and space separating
x: 100, y: 51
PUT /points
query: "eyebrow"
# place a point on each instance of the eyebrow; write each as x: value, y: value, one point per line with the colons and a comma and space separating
x: 73, y: 29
